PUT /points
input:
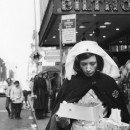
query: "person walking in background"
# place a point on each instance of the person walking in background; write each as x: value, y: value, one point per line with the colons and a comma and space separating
x: 8, y: 104
x: 17, y: 99
x: 26, y: 92
x: 31, y: 85
x: 54, y: 89
x: 46, y: 77
x: 40, y: 96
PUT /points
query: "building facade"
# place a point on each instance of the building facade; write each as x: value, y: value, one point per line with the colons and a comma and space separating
x: 104, y: 21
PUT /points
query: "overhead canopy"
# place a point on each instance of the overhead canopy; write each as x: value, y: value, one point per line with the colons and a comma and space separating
x: 51, y: 69
x: 89, y: 24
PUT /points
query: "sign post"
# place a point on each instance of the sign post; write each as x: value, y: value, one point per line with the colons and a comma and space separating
x: 67, y: 34
x: 60, y: 36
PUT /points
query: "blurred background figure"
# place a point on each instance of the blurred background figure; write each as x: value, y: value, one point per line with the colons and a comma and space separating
x: 47, y: 103
x: 17, y: 100
x: 31, y: 83
x: 7, y: 89
x: 124, y: 80
x: 26, y: 92
x: 40, y: 96
x: 54, y: 89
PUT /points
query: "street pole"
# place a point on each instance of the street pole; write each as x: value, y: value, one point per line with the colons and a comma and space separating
x: 60, y: 40
x: 35, y: 33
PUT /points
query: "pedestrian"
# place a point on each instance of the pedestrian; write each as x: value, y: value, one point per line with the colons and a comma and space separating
x: 54, y: 89
x: 26, y: 92
x: 90, y: 74
x: 17, y: 99
x: 8, y: 104
x: 40, y: 96
x: 31, y: 85
x: 47, y: 79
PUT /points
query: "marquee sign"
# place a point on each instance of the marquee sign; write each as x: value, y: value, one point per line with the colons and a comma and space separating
x: 96, y: 6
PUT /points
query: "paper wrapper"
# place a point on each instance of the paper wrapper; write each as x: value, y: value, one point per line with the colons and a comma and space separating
x: 92, y: 112
x: 107, y: 124
x: 115, y: 115
x: 77, y: 125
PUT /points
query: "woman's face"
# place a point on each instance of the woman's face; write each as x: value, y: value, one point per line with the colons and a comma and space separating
x: 40, y: 75
x: 89, y: 66
x: 45, y: 75
x: 16, y: 84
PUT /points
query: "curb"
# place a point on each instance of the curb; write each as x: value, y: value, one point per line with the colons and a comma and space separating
x: 33, y: 114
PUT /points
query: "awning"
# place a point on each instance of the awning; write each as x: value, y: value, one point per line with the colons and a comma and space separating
x: 51, y: 69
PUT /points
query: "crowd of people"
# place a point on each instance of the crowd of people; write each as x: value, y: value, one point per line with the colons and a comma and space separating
x: 14, y: 99
x: 42, y: 90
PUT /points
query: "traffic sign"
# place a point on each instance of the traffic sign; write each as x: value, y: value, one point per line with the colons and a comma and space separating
x: 36, y: 56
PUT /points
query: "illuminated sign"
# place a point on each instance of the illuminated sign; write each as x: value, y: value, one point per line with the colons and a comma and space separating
x: 88, y: 6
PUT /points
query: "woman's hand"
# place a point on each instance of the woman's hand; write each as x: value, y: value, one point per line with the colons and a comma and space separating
x: 62, y: 122
x: 35, y: 96
x: 129, y: 127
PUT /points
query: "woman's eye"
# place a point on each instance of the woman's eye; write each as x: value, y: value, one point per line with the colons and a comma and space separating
x: 83, y: 64
x: 92, y: 64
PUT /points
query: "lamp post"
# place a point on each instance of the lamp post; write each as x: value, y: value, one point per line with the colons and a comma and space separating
x: 35, y: 22
x: 35, y: 32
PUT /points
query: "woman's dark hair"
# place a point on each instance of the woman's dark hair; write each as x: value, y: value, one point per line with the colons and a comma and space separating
x: 16, y: 82
x: 84, y: 56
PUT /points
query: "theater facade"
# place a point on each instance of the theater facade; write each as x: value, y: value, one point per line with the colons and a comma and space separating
x: 105, y: 21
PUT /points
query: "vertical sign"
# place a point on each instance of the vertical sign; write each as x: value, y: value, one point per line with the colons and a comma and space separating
x: 68, y: 28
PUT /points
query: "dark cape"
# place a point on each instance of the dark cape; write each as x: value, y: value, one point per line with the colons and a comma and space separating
x: 40, y: 90
x: 104, y: 87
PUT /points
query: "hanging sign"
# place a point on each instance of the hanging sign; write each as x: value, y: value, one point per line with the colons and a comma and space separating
x: 68, y: 28
x: 52, y: 55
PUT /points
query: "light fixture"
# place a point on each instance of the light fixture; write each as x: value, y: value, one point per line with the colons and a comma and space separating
x: 102, y: 26
x: 91, y: 34
x: 54, y: 37
x: 107, y: 23
x: 82, y: 26
x: 117, y: 29
x: 104, y: 36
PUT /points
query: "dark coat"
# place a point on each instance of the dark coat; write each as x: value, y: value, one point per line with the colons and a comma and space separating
x: 40, y: 90
x: 103, y: 85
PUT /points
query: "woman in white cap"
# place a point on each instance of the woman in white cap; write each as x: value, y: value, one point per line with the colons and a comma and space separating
x: 89, y: 71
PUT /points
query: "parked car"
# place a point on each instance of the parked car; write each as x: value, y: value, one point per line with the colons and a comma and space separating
x: 2, y: 91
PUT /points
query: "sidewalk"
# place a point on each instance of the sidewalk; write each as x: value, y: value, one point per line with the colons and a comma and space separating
x: 41, y: 124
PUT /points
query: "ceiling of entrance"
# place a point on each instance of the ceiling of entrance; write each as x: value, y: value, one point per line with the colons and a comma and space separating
x: 92, y: 28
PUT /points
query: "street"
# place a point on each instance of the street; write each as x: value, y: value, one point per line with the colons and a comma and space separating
x: 25, y: 123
